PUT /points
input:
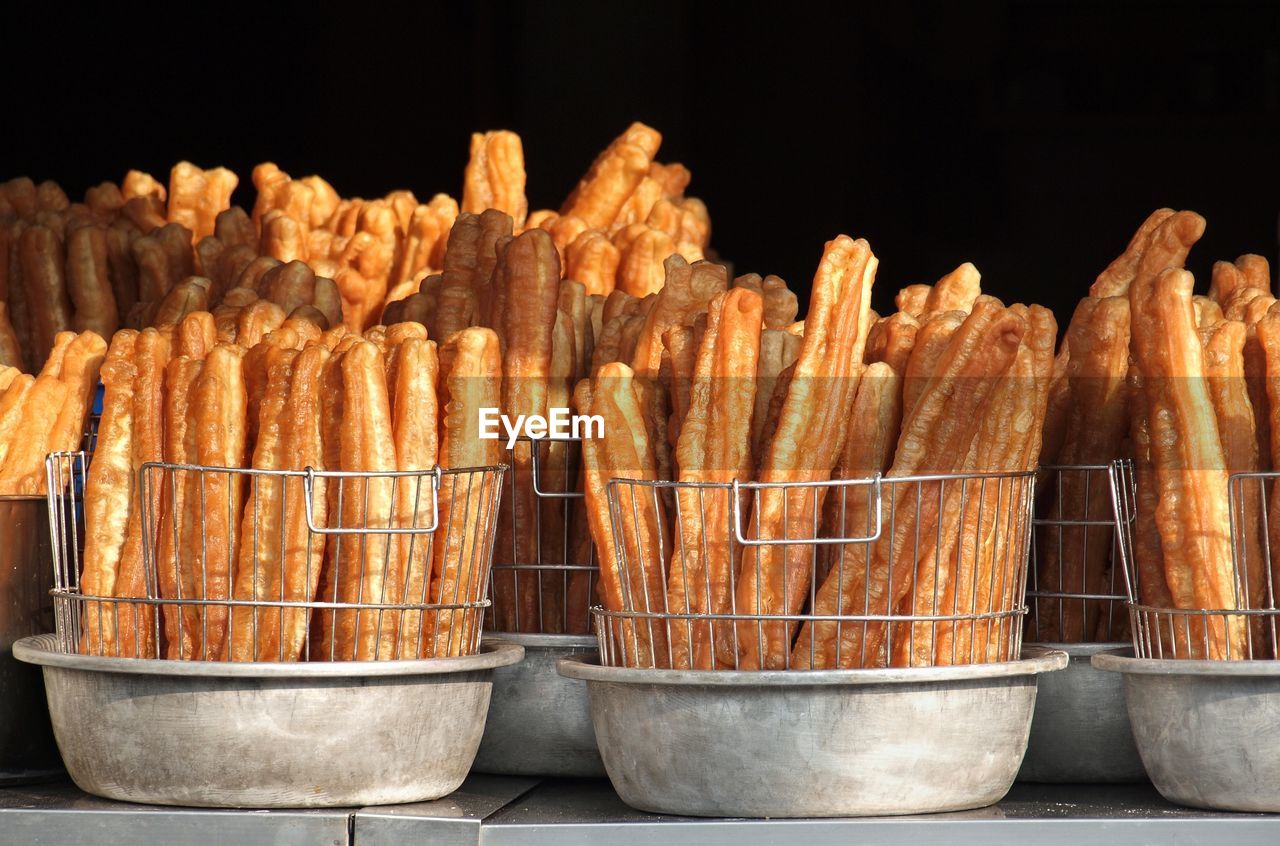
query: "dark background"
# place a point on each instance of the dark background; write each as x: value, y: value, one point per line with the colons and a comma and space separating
x: 1028, y: 137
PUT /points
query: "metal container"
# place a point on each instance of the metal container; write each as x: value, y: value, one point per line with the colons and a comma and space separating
x: 267, y: 735
x: 1206, y: 730
x: 822, y: 743
x: 540, y: 721
x: 27, y: 749
x: 1080, y: 731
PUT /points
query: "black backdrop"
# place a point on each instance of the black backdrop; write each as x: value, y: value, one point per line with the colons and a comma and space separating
x: 1028, y: 137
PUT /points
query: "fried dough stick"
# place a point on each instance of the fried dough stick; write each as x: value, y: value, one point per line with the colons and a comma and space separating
x: 108, y: 491
x: 1098, y: 341
x: 1148, y: 553
x: 303, y: 549
x: 715, y: 447
x: 999, y: 579
x: 530, y: 275
x: 1193, y: 516
x: 935, y: 438
x: 874, y: 425
x: 962, y: 567
x: 366, y: 445
x: 217, y: 434
x: 412, y: 382
x: 180, y: 375
x: 631, y: 576
x: 1224, y: 369
x: 494, y: 177
x: 137, y: 624
x: 255, y: 631
x: 470, y: 379
x: 776, y: 578
x: 613, y: 177
x: 956, y: 291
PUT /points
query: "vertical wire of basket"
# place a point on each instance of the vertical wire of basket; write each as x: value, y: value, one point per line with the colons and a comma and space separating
x: 544, y: 572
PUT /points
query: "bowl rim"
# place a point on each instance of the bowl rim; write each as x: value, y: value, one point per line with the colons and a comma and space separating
x: 538, y: 640
x: 42, y: 650
x: 1035, y: 660
x: 1078, y: 650
x: 1123, y: 661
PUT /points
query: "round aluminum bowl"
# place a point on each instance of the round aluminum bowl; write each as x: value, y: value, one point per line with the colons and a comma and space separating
x: 813, y: 744
x: 539, y: 721
x: 264, y: 735
x: 1206, y: 730
x: 27, y: 750
x: 1080, y: 731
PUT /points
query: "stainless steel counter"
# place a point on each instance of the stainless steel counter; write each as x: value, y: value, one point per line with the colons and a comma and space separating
x: 497, y: 811
x: 57, y: 814
x: 568, y: 813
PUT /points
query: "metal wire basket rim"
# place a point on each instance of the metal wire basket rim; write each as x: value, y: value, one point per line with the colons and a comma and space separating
x: 866, y: 481
x: 662, y: 616
x: 1071, y: 522
x: 1081, y: 467
x: 1040, y: 594
x: 1034, y: 660
x: 1255, y: 474
x: 1205, y: 612
x: 585, y: 568
x: 1124, y: 661
x: 531, y: 640
x: 42, y: 650
x: 322, y: 474
x: 64, y: 594
x: 566, y: 439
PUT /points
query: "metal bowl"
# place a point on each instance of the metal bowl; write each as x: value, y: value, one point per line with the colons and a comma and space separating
x: 1206, y: 730
x: 1080, y: 731
x: 27, y: 750
x: 261, y: 735
x: 813, y: 744
x: 539, y: 721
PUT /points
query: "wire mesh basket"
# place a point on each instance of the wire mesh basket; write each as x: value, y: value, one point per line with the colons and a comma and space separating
x: 1075, y: 584
x: 859, y: 573
x: 1249, y: 630
x: 544, y: 572
x: 273, y: 565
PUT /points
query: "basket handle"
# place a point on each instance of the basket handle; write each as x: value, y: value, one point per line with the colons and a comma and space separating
x: 308, y: 485
x: 741, y: 537
x: 533, y: 471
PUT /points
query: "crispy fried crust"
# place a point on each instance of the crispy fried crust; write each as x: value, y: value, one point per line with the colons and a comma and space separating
x: 625, y: 453
x: 415, y: 428
x: 714, y: 446
x: 876, y: 419
x: 613, y: 177
x: 809, y: 438
x: 471, y: 376
x: 1190, y: 468
x: 108, y: 491
x: 255, y: 632
x: 955, y: 292
x: 217, y: 432
x: 180, y: 373
x: 137, y: 623
x: 935, y: 437
x: 366, y: 444
x: 494, y: 177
